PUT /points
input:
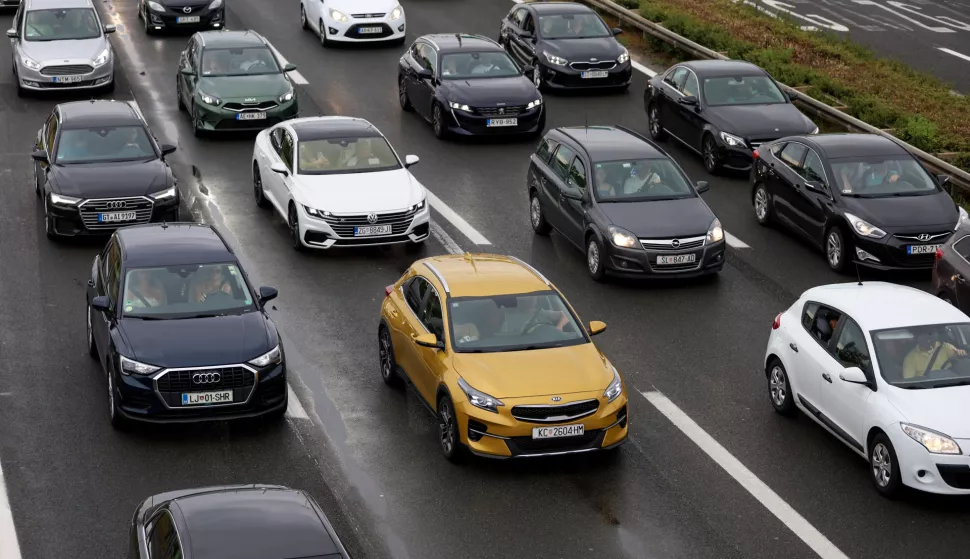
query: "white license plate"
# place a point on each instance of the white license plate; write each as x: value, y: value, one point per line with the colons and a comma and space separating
x: 117, y: 216
x: 558, y: 431
x: 203, y: 398
x: 188, y: 19
x: 369, y: 30
x: 502, y: 122
x: 922, y: 249
x: 676, y: 259
x: 67, y: 79
x: 595, y: 74
x: 372, y: 230
x: 251, y: 116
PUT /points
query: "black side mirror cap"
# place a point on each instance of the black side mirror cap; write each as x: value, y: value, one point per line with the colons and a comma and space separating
x: 792, y: 95
x: 168, y: 148
x: 944, y: 181
x: 101, y: 303
x: 425, y: 74
x: 617, y: 31
x: 267, y: 294
x: 702, y: 187
x: 289, y: 67
x: 816, y: 185
x: 528, y: 71
x: 186, y: 71
x: 39, y: 155
x: 688, y: 100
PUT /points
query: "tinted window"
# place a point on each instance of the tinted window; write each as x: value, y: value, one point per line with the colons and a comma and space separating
x: 560, y: 163
x: 823, y: 324
x: 112, y: 270
x: 792, y: 155
x: 249, y: 61
x: 414, y: 293
x: 572, y: 26
x: 347, y: 155
x: 464, y: 65
x: 690, y: 87
x: 431, y: 58
x: 874, y: 177
x: 577, y: 174
x: 851, y: 349
x: 962, y: 247
x: 61, y: 25
x: 286, y: 149
x: 545, y: 150
x: 163, y: 540
x: 431, y: 316
x: 676, y: 77
x: 186, y: 291
x: 518, y: 16
x: 742, y: 90
x: 511, y: 322
x: 812, y: 169
x: 639, y: 180
x: 51, y: 133
x: 120, y: 143
x: 776, y: 149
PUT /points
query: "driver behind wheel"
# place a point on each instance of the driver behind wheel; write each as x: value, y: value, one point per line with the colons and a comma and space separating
x: 918, y: 362
x: 525, y: 315
x: 143, y: 290
x: 211, y: 281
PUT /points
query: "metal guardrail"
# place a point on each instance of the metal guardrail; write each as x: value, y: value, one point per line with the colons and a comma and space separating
x: 958, y: 177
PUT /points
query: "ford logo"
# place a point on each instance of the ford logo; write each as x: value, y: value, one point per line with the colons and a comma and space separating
x: 371, y: 218
x: 206, y: 378
x: 187, y: 9
x: 116, y: 204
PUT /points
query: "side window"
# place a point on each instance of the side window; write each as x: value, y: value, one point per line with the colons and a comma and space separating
x: 275, y: 138
x: 560, y: 163
x: 111, y: 272
x: 432, y: 59
x: 577, y: 174
x: 776, y: 149
x: 163, y: 540
x: 286, y: 147
x: 851, y: 349
x: 530, y: 24
x: 421, y: 55
x: 812, y: 169
x: 518, y: 17
x: 51, y: 133
x: 823, y: 323
x: 191, y: 52
x: 431, y: 316
x: 414, y: 293
x: 690, y: 87
x: 676, y: 77
x: 545, y: 149
x: 962, y: 247
x: 792, y: 155
x: 808, y: 315
x: 414, y: 51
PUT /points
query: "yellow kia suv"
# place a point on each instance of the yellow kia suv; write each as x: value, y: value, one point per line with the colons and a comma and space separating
x: 500, y: 358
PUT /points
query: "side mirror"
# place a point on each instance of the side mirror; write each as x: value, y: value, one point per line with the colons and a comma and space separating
x: 109, y: 28
x: 528, y: 71
x: 425, y: 74
x: 527, y: 35
x: 688, y: 100
x: 815, y: 185
x: 186, y: 71
x: 12, y: 33
x: 411, y: 160
x: 429, y: 340
x: 596, y: 327
x: 167, y: 149
x: 617, y: 31
x: 267, y: 294
x: 854, y: 375
x: 944, y: 181
x: 101, y: 303
x: 39, y: 155
x: 280, y: 168
x: 289, y: 67
x: 792, y: 95
x: 702, y: 187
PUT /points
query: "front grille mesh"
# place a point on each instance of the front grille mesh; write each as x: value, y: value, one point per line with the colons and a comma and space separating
x: 262, y: 106
x: 555, y: 414
x: 91, y: 209
x: 67, y: 70
x: 343, y: 225
x: 181, y: 381
x: 366, y: 16
x: 514, y: 110
x: 665, y: 245
x: 604, y: 65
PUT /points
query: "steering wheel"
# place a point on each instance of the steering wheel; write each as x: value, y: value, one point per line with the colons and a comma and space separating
x: 538, y: 319
x: 216, y: 295
x: 952, y: 359
x: 140, y: 296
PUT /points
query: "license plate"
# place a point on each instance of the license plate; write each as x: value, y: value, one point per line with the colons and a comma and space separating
x: 203, y: 398
x: 922, y: 249
x: 67, y: 79
x: 595, y: 74
x: 372, y: 230
x: 502, y: 122
x: 676, y: 259
x: 369, y: 30
x: 188, y: 19
x: 251, y: 116
x: 116, y: 216
x: 558, y: 432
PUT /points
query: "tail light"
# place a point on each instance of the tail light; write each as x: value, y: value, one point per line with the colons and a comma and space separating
x: 939, y: 254
x: 755, y: 154
x: 388, y: 290
x: 777, y: 322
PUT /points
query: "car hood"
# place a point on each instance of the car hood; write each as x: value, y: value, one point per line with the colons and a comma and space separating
x: 760, y: 121
x: 81, y: 51
x: 581, y: 50
x: 110, y: 180
x: 541, y: 372
x: 660, y: 219
x: 380, y: 191
x: 197, y: 342
x: 941, y: 409
x: 514, y: 90
x: 936, y: 211
x: 363, y: 6
x: 238, y: 88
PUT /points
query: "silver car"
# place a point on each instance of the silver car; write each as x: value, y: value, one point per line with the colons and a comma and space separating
x: 61, y: 44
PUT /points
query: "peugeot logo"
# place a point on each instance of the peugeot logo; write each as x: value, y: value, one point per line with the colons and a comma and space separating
x: 206, y: 378
x: 675, y: 243
x: 501, y: 111
x: 371, y: 218
x: 556, y: 398
x: 924, y: 237
x: 116, y: 205
x: 187, y: 9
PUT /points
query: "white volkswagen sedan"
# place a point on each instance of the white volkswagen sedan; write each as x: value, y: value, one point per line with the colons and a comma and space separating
x: 337, y: 182
x: 885, y: 368
x: 354, y: 21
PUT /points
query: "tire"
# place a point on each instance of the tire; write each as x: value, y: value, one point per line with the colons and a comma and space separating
x: 657, y: 133
x: 196, y: 129
x: 762, y: 205
x: 449, y: 438
x: 437, y: 122
x: 712, y: 161
x: 303, y: 21
x: 540, y: 226
x: 145, y: 20
x: 779, y: 389
x: 540, y: 127
x: 594, y: 259
x: 118, y: 421
x: 385, y: 353
x: 402, y: 95
x: 92, y: 345
x: 836, y: 251
x: 537, y: 77
x: 884, y: 466
x: 323, y: 36
x: 178, y: 95
x: 261, y: 200
x: 48, y: 226
x: 37, y: 184
x: 293, y: 221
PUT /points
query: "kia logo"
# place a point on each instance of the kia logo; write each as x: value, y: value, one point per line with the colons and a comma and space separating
x: 675, y: 243
x: 116, y: 205
x: 187, y: 9
x: 924, y: 237
x: 206, y: 378
x: 371, y: 218
x: 556, y: 398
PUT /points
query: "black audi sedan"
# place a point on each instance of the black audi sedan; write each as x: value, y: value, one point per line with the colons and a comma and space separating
x: 568, y: 44
x: 98, y: 167
x: 861, y: 198
x: 233, y: 522
x: 721, y: 109
x: 180, y: 332
x: 161, y: 15
x: 467, y: 85
x: 617, y: 196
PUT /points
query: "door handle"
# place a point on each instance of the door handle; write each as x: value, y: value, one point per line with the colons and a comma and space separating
x: 793, y: 347
x: 827, y: 377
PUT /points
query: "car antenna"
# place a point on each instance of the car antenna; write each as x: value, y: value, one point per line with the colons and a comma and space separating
x: 586, y: 122
x: 857, y: 274
x: 471, y: 260
x: 458, y: 35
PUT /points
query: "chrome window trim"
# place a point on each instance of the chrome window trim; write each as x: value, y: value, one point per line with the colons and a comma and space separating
x: 531, y: 269
x: 164, y: 372
x: 440, y: 277
x: 828, y: 183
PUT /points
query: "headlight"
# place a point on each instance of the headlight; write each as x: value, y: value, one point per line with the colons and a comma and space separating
x: 419, y: 206
x: 215, y: 4
x: 459, y: 106
x: 934, y: 442
x: 623, y: 57
x: 553, y: 59
x: 210, y: 100
x: 479, y: 399
x: 132, y: 367
x: 622, y: 238
x: 732, y: 140
x: 533, y: 104
x: 715, y: 233
x: 962, y: 219
x: 338, y: 16
x: 270, y: 357
x: 864, y: 228
x: 315, y: 212
x: 156, y: 7
x: 815, y: 131
x: 166, y: 194
x: 102, y: 58
x: 615, y: 388
x: 396, y: 13
x: 286, y: 97
x: 58, y: 200
x: 28, y: 63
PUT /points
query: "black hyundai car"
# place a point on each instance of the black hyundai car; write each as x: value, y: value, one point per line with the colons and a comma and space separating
x: 468, y: 85
x: 568, y: 44
x: 721, y: 109
x: 233, y: 522
x: 98, y: 167
x: 181, y: 334
x: 623, y: 201
x: 861, y: 198
x: 162, y: 15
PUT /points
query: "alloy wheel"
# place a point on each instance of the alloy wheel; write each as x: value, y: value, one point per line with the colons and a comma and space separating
x: 258, y: 188
x: 90, y: 332
x: 436, y: 121
x: 323, y: 34
x: 654, y: 121
x: 882, y: 465
x: 834, y: 249
x: 593, y: 256
x: 537, y: 77
x: 778, y: 386
x: 761, y: 204
x: 402, y: 94
x: 385, y: 355
x: 294, y: 225
x: 710, y: 155
x: 446, y: 428
x: 535, y: 212
x: 112, y: 410
x: 303, y: 22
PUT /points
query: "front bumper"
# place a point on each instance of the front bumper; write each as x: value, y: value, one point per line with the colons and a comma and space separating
x: 941, y: 473
x: 174, y: 18
x: 83, y: 220
x: 643, y: 262
x: 221, y: 118
x: 891, y: 252
x: 351, y: 31
x: 339, y: 230
x: 475, y: 122
x: 81, y: 73
x: 567, y: 77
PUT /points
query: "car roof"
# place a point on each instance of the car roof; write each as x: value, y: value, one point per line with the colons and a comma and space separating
x: 455, y: 42
x: 480, y: 275
x: 611, y: 143
x: 327, y: 127
x: 712, y: 68
x: 877, y: 305
x: 85, y: 114
x: 231, y: 39
x: 172, y: 244
x: 854, y: 145
x: 254, y: 524
x: 55, y: 4
x: 543, y: 8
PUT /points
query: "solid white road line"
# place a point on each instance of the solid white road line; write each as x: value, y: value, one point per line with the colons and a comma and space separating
x: 456, y: 220
x: 734, y: 242
x: 294, y: 75
x: 954, y: 53
x: 445, y: 239
x: 294, y: 409
x: 757, y: 488
x: 9, y: 547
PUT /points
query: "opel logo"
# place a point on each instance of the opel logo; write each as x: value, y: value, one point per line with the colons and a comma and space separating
x: 187, y: 9
x: 556, y: 398
x: 116, y: 205
x: 371, y: 218
x: 924, y: 237
x: 675, y: 243
x: 206, y: 378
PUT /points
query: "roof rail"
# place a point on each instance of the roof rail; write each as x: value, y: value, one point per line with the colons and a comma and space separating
x: 439, y: 276
x: 531, y: 269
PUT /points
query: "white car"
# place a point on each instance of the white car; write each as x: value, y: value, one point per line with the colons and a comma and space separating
x: 354, y: 21
x: 338, y: 183
x: 885, y: 369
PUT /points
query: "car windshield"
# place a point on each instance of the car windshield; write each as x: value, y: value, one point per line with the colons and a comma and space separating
x: 572, y: 26
x: 933, y: 356
x: 114, y: 143
x: 875, y: 177
x: 61, y: 25
x: 638, y: 180
x: 512, y: 322
x: 742, y: 90
x: 188, y: 291
x: 346, y: 155
x: 249, y: 61
x: 464, y: 65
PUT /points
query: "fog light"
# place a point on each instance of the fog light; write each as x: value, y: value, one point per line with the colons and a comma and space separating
x: 863, y: 255
x: 333, y: 31
x: 921, y: 473
x: 216, y: 24
x: 102, y: 80
x: 476, y: 430
x: 401, y: 28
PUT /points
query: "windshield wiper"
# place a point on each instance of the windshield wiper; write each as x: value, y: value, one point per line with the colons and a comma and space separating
x: 204, y: 315
x: 961, y: 382
x: 145, y: 317
x: 535, y: 346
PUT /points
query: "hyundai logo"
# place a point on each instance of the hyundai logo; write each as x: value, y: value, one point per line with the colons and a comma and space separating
x: 556, y: 398
x: 187, y: 9
x: 116, y: 204
x: 371, y: 218
x: 675, y: 243
x: 924, y: 237
x: 206, y: 378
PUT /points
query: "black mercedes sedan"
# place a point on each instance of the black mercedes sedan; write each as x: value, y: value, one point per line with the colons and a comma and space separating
x: 721, y: 109
x: 861, y: 198
x: 568, y: 44
x: 233, y: 522
x: 161, y: 15
x: 468, y: 85
x: 623, y: 201
x: 180, y: 332
x: 98, y: 167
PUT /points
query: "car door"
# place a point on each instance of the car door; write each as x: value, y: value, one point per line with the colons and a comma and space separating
x: 809, y: 351
x: 668, y: 96
x: 558, y: 177
x: 283, y: 184
x: 188, y: 61
x: 811, y: 200
x: 406, y: 352
x: 540, y: 173
x: 108, y: 284
x: 574, y: 200
x: 431, y: 366
x: 313, y: 8
x: 783, y: 176
x: 958, y: 274
x: 512, y: 27
x: 46, y: 142
x: 688, y: 121
x: 421, y: 90
x: 844, y: 403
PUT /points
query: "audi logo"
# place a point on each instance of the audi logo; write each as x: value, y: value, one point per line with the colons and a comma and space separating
x: 675, y: 243
x: 924, y: 237
x: 371, y: 218
x: 206, y: 378
x: 116, y: 204
x: 187, y: 9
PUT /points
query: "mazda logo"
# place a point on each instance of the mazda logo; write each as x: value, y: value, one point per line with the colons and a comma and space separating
x: 371, y: 218
x: 924, y: 237
x: 116, y: 205
x: 206, y: 378
x: 675, y: 243
x: 556, y: 398
x: 187, y: 9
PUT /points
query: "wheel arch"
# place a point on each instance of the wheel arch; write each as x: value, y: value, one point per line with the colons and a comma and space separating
x: 771, y: 359
x: 873, y: 432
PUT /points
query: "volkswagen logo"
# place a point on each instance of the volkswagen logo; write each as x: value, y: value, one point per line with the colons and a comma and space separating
x: 116, y: 204
x: 187, y: 9
x: 556, y: 398
x: 924, y: 237
x: 371, y: 218
x: 206, y: 378
x: 675, y: 243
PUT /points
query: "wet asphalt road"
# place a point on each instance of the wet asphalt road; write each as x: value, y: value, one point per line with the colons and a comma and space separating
x: 369, y: 453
